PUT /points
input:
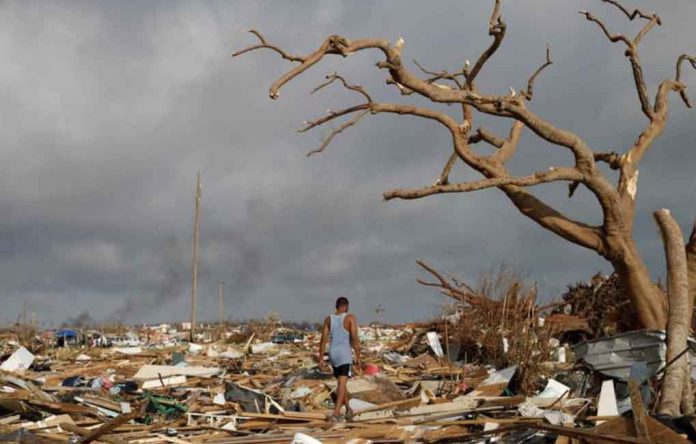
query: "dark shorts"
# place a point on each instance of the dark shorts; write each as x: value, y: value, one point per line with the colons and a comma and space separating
x: 343, y: 370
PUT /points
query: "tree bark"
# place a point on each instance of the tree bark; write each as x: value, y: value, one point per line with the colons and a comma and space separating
x: 688, y: 397
x: 677, y: 376
x: 648, y: 301
x: 691, y: 266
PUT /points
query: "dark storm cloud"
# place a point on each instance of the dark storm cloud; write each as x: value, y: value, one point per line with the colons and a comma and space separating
x: 108, y: 109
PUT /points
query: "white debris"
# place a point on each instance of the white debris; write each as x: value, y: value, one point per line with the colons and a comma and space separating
x: 219, y: 399
x: 264, y: 347
x: 195, y: 348
x: 607, y: 400
x: 128, y: 350
x: 434, y: 342
x: 20, y: 360
x: 301, y: 438
x: 157, y: 371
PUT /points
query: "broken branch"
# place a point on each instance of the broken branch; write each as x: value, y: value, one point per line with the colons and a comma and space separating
x: 444, y: 176
x: 264, y: 44
x: 529, y: 92
x: 333, y: 77
x: 632, y: 49
x: 611, y: 158
x: 553, y: 175
x: 338, y: 131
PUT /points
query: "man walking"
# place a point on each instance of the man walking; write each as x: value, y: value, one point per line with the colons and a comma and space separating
x: 342, y: 329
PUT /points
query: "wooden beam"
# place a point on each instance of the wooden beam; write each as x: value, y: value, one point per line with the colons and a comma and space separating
x: 638, y: 409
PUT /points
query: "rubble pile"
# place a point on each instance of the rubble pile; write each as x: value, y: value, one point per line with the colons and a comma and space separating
x: 268, y: 388
x: 602, y: 304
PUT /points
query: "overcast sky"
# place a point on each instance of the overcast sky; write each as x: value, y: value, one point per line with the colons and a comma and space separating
x: 108, y: 109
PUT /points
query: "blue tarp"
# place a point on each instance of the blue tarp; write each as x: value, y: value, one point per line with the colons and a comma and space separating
x: 66, y: 333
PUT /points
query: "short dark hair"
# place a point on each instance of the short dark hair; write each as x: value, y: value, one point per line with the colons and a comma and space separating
x: 342, y: 302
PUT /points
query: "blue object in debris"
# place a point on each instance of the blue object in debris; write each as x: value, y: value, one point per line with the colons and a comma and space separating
x: 66, y: 333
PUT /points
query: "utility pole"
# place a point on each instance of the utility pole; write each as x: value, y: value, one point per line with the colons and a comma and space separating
x: 24, y: 318
x: 379, y: 312
x: 194, y: 265
x: 221, y: 302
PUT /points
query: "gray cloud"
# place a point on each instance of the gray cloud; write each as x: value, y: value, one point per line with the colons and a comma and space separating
x: 107, y: 110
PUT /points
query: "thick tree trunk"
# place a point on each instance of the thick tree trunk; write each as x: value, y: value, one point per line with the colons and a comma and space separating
x: 691, y: 265
x: 648, y: 301
x: 675, y: 384
x: 688, y: 397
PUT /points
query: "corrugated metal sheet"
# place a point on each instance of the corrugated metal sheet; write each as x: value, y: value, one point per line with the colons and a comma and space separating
x: 614, y: 356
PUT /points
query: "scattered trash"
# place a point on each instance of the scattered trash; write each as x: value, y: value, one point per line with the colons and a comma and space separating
x: 410, y: 390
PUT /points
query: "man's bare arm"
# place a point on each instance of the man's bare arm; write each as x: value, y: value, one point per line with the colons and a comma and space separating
x: 354, y: 339
x: 324, y: 338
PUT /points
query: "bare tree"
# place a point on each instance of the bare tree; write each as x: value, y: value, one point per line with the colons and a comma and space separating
x: 613, y: 239
x: 676, y: 394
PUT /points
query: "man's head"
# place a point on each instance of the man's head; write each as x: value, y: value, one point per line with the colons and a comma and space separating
x: 342, y: 304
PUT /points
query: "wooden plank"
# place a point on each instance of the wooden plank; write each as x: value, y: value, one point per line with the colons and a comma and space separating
x: 638, y: 409
x: 75, y: 429
x: 109, y: 426
x: 312, y: 416
x: 622, y: 426
x: 171, y: 439
x: 9, y: 419
x: 404, y: 403
x: 585, y: 434
x: 293, y: 416
x: 86, y: 432
x: 65, y: 407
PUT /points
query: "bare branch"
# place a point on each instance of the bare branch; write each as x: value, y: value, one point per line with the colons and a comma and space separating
x: 332, y: 115
x: 611, y: 158
x: 264, y: 44
x: 504, y: 106
x: 529, y: 92
x: 551, y: 219
x: 529, y: 205
x: 553, y: 175
x: 632, y: 54
x: 374, y: 108
x: 612, y: 37
x: 661, y: 97
x: 496, y: 28
x: 682, y: 91
x: 655, y: 20
x: 684, y: 58
x: 490, y: 138
x: 509, y: 146
x: 443, y: 283
x: 435, y: 76
x: 444, y: 176
x: 332, y: 45
x: 629, y: 162
x: 333, y: 77
x: 632, y: 15
x: 338, y: 131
